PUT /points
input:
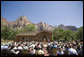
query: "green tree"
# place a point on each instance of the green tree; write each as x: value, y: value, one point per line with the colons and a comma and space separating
x: 58, y: 34
x: 30, y: 27
x: 2, y: 26
x: 8, y: 33
x: 67, y: 35
x: 80, y: 33
x: 5, y: 32
x: 55, y: 34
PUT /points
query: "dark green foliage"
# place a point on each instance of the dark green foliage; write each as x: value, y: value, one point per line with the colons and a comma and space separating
x: 30, y: 27
x: 80, y: 33
x: 67, y: 35
x: 58, y: 34
x: 8, y: 33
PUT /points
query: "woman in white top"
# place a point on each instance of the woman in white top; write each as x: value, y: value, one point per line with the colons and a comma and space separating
x: 40, y: 52
x: 32, y: 51
x: 60, y: 51
x: 19, y: 47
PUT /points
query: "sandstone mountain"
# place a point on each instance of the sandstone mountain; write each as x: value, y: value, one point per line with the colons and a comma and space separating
x: 23, y: 21
x: 20, y: 22
x: 4, y: 21
x: 43, y: 26
x: 73, y: 28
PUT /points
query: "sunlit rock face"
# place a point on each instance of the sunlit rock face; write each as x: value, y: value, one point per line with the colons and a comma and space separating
x: 73, y: 28
x: 43, y: 26
x: 22, y: 21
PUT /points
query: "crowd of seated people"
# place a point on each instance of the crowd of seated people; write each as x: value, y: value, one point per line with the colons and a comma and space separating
x: 55, y: 48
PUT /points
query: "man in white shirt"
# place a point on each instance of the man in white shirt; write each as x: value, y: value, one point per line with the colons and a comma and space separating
x: 72, y: 51
x: 44, y: 45
x: 19, y: 47
x: 40, y: 52
x: 32, y: 45
x: 60, y: 51
x: 2, y: 47
x: 15, y: 48
x: 15, y: 52
x: 32, y: 51
x: 25, y: 47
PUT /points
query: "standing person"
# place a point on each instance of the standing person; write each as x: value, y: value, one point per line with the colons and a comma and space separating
x: 44, y: 41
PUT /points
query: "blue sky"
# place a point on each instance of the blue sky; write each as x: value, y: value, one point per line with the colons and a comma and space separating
x: 51, y: 12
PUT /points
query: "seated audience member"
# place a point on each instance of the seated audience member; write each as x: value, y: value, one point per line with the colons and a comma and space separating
x: 19, y: 47
x: 72, y: 51
x: 60, y: 52
x: 32, y: 51
x: 40, y: 52
x: 25, y: 47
